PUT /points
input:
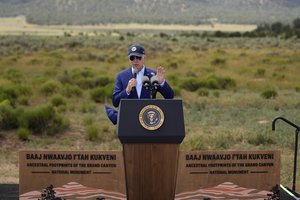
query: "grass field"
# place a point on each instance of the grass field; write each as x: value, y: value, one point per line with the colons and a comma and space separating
x: 19, y: 26
x: 231, y: 88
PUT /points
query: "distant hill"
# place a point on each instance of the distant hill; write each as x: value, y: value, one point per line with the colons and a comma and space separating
x: 152, y: 11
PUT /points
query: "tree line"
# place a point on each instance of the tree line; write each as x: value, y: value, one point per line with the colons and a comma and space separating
x: 276, y: 29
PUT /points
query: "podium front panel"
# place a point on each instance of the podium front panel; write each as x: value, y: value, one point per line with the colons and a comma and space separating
x: 131, y: 130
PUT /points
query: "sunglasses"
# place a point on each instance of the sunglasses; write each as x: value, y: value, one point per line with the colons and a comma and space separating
x: 135, y: 57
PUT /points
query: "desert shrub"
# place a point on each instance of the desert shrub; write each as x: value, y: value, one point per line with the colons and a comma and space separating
x: 88, y: 120
x: 269, y: 93
x: 51, y: 72
x: 106, y: 134
x: 57, y: 100
x: 23, y: 100
x: 85, y: 82
x: 24, y: 90
x: 216, y: 93
x: 260, y: 72
x: 88, y: 106
x: 297, y: 88
x: 86, y: 56
x: 87, y: 72
x: 190, y: 84
x: 172, y: 65
x: 53, y: 62
x: 65, y: 77
x: 8, y: 92
x: 223, y: 82
x: 101, y: 58
x: 198, y: 105
x: 50, y: 87
x: 13, y: 75
x: 218, y: 61
x: 215, y: 82
x: 203, y: 92
x: 102, y: 81
x: 177, y: 91
x: 71, y: 90
x: 195, y: 142
x: 173, y: 78
x: 99, y: 94
x: 278, y: 76
x: 224, y: 141
x: 23, y: 133
x: 261, y: 139
x: 211, y: 83
x: 43, y: 119
x: 8, y: 116
x: 190, y: 74
x: 92, y: 132
x: 92, y: 82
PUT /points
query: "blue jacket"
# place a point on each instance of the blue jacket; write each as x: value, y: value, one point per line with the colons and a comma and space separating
x: 122, y: 79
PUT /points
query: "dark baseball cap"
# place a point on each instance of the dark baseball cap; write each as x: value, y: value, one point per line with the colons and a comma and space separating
x: 136, y: 50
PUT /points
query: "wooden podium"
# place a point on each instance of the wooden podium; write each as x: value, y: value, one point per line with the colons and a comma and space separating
x: 151, y: 132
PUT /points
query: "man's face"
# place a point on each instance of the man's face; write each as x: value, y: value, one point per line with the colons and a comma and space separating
x: 137, y: 62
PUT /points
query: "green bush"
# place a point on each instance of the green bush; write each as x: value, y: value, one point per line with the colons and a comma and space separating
x: 88, y: 106
x: 50, y: 87
x: 24, y: 90
x: 99, y: 94
x: 23, y: 134
x: 71, y: 90
x: 13, y: 75
x: 269, y: 93
x: 85, y: 82
x: 260, y: 72
x: 102, y: 81
x: 261, y: 139
x: 65, y: 78
x: 43, y: 119
x: 58, y: 100
x: 177, y: 91
x: 173, y: 78
x: 8, y: 116
x: 211, y: 82
x: 194, y: 143
x: 216, y: 93
x: 8, y: 92
x: 224, y: 141
x: 24, y: 100
x: 92, y: 82
x: 88, y: 120
x: 215, y: 82
x: 190, y: 83
x: 92, y: 132
x: 218, y: 61
x: 87, y: 72
x: 203, y: 92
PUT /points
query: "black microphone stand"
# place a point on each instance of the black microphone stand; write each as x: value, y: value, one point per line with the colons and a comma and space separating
x: 152, y: 88
x: 153, y: 91
x: 296, y: 145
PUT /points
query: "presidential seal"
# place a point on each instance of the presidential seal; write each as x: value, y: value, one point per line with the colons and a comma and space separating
x: 151, y: 117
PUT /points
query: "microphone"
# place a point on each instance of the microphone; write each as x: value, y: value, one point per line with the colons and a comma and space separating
x: 146, y: 82
x: 134, y: 76
x: 155, y: 83
x: 134, y: 73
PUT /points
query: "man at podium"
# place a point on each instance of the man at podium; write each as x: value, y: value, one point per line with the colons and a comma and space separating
x: 138, y: 81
